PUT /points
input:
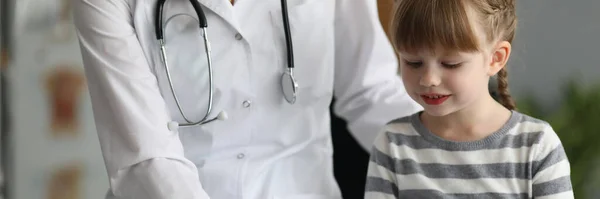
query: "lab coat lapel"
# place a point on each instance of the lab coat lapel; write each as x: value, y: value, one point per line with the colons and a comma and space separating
x: 222, y: 8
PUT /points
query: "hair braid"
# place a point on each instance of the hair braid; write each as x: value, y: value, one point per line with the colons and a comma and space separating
x: 505, y: 98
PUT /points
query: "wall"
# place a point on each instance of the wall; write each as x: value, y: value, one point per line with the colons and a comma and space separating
x: 556, y: 40
x: 54, y: 146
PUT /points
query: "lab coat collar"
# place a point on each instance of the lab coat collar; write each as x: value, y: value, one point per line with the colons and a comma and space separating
x: 222, y: 8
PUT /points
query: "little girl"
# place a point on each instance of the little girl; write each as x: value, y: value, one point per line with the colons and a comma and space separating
x: 463, y: 144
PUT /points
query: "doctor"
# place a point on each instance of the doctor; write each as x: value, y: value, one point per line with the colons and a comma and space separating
x: 269, y: 147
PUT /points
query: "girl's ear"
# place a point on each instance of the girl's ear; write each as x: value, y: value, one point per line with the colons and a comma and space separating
x: 500, y: 55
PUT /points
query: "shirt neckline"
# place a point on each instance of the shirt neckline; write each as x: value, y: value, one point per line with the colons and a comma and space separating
x: 444, y: 143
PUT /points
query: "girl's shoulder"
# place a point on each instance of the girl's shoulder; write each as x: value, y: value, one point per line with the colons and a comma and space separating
x: 539, y: 131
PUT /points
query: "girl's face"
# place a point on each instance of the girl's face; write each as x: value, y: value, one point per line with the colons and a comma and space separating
x: 444, y: 82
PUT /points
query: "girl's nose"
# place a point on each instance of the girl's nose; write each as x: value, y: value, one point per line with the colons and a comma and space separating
x: 429, y: 78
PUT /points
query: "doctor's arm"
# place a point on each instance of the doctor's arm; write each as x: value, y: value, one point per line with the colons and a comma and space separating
x: 368, y: 90
x: 143, y: 158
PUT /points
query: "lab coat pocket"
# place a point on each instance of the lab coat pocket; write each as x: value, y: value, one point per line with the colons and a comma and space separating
x: 312, y: 29
x: 197, y: 143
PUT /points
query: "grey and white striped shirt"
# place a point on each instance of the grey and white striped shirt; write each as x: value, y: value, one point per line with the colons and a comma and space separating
x: 524, y: 159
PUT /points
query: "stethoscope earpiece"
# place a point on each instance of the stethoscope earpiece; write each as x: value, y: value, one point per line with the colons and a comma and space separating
x: 173, y: 126
x: 222, y: 116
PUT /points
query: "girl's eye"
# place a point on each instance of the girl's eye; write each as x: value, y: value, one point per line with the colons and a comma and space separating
x: 414, y: 64
x: 456, y: 65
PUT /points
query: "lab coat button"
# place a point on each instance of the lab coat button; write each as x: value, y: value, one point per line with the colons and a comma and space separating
x: 241, y: 156
x: 238, y: 36
x: 247, y: 104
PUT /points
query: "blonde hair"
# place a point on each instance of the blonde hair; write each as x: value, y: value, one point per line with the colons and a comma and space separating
x: 429, y: 24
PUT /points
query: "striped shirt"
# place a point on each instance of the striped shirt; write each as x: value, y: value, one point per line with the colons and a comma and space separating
x: 524, y: 159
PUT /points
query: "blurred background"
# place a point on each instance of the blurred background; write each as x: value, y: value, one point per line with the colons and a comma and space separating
x: 49, y: 148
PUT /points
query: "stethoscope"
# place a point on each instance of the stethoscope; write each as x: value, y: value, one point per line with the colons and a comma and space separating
x: 289, y: 85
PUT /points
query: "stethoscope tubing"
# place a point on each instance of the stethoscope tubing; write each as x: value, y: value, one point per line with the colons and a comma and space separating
x: 202, y: 22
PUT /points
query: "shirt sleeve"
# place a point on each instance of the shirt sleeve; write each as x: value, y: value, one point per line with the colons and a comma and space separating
x: 381, y: 179
x: 143, y: 158
x: 368, y: 89
x: 551, y: 169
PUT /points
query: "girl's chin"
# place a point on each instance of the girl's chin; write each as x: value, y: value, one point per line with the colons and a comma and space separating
x: 437, y: 111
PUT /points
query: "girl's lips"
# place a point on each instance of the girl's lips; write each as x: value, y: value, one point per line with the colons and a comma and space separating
x: 434, y: 99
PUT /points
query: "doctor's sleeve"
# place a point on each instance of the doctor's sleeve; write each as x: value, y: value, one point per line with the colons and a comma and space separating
x: 368, y: 90
x: 143, y: 158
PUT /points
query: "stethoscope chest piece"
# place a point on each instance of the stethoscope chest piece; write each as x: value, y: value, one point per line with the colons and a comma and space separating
x: 289, y: 86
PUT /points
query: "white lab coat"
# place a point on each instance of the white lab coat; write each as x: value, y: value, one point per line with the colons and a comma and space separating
x: 267, y: 149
